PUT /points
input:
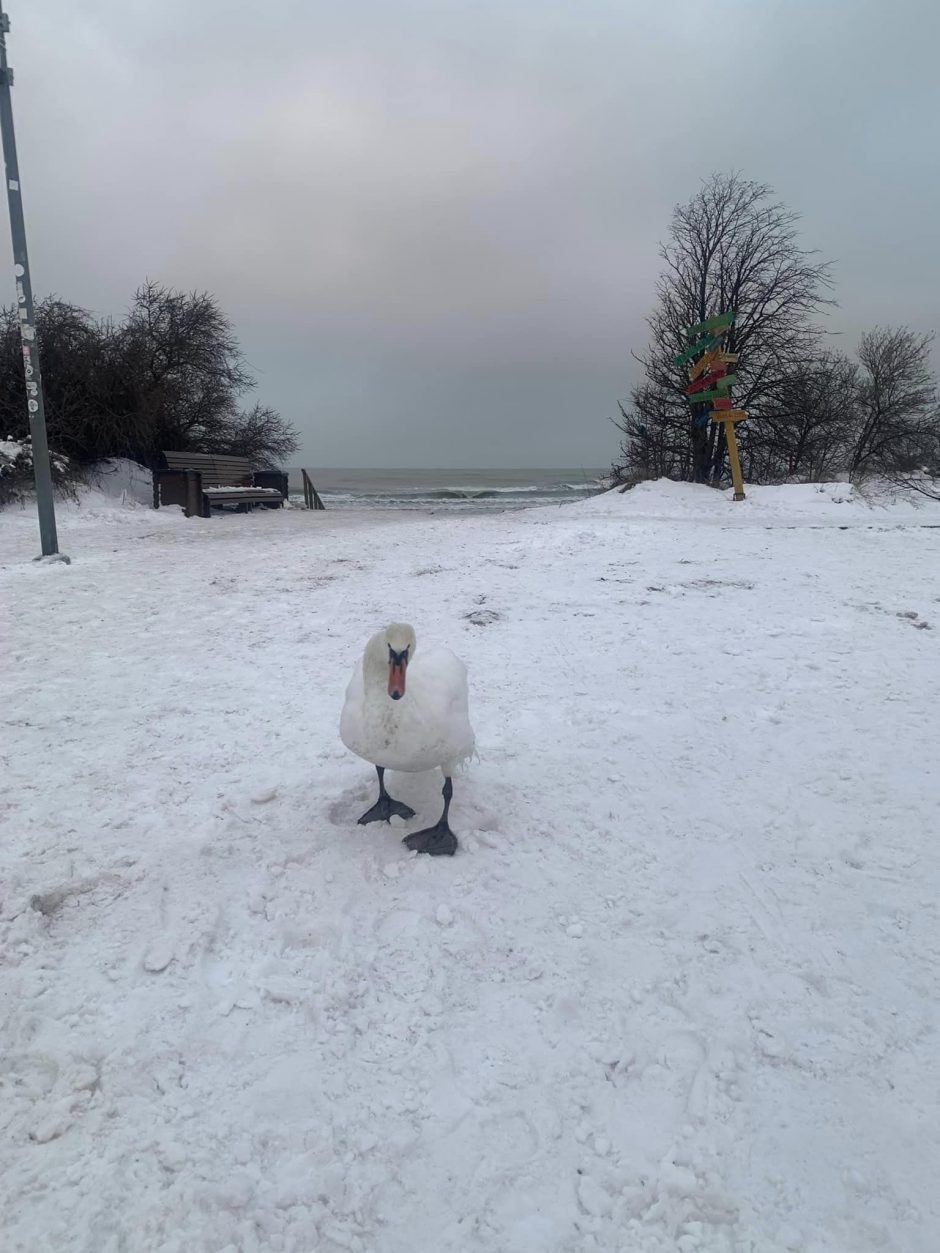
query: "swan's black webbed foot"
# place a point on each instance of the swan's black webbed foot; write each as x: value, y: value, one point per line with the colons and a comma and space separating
x: 385, y: 808
x: 438, y: 840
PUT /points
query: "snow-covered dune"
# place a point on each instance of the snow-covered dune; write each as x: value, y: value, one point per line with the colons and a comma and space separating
x: 795, y: 504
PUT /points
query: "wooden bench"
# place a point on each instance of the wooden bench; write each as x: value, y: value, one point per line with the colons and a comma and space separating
x: 201, y: 481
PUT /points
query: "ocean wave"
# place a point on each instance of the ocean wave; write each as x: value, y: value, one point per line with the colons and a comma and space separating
x: 428, y: 503
x: 505, y: 491
x: 454, y: 496
x: 459, y: 493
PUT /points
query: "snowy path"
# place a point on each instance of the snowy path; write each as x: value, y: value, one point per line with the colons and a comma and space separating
x: 678, y: 991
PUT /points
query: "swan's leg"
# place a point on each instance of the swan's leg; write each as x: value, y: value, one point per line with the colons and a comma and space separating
x: 385, y: 807
x: 439, y: 838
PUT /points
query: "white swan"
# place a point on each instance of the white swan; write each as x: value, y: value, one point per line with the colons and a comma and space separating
x: 403, y: 714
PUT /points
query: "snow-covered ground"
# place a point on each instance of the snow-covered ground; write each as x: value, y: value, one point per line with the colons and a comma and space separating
x: 678, y: 991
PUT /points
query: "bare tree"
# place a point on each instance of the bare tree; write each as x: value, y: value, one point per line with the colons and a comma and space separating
x: 655, y: 443
x: 76, y: 349
x: 184, y: 367
x: 808, y: 422
x: 899, y: 414
x: 732, y: 246
x: 261, y: 435
x: 170, y: 376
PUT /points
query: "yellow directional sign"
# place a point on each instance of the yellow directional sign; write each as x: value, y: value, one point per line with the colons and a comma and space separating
x: 715, y: 357
x: 728, y: 415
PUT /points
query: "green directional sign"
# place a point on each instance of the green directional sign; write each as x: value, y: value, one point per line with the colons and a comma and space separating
x: 720, y: 323
x: 720, y: 389
x: 703, y: 345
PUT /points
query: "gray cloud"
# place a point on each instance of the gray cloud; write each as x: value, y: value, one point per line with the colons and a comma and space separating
x: 435, y: 224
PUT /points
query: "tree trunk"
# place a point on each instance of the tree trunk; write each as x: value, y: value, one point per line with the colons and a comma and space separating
x: 700, y: 444
x: 718, y: 448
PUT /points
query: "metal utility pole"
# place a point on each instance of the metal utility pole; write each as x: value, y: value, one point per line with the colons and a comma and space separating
x: 42, y: 470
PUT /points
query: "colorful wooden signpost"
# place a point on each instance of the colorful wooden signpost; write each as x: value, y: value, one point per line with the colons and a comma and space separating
x: 710, y: 382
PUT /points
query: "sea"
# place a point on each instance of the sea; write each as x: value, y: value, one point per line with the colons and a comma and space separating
x: 448, y: 491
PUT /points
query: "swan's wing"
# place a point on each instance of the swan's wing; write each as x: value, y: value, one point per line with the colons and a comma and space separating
x: 444, y: 686
x: 445, y: 675
x: 350, y: 722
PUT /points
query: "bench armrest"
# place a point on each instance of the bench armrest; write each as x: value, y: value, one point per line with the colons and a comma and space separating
x: 271, y: 478
x: 179, y: 487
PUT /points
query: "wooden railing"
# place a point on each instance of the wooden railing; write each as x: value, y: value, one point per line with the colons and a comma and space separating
x: 311, y: 495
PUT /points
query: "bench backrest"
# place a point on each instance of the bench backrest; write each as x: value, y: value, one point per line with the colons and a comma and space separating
x: 217, y: 469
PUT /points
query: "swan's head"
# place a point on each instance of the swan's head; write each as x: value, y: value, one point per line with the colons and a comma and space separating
x: 390, y: 652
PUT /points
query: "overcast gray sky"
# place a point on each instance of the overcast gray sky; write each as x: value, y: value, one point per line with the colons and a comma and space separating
x: 434, y: 224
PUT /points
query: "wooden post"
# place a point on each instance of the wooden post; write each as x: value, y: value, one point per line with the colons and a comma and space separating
x: 736, y: 478
x: 729, y: 417
x: 194, y: 505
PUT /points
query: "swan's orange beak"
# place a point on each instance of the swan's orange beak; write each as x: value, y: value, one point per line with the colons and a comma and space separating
x: 397, y: 665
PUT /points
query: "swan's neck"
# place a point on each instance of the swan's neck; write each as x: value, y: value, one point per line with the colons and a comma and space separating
x: 375, y: 666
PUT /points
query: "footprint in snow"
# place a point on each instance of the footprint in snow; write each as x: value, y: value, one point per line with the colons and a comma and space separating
x: 159, y: 954
x: 482, y: 617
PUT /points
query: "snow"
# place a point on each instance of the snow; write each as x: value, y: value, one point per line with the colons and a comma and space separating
x: 823, y: 504
x: 122, y: 479
x: 14, y: 450
x: 676, y: 991
x: 230, y: 491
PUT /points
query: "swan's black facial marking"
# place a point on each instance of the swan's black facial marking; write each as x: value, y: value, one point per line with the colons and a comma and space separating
x: 397, y: 664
